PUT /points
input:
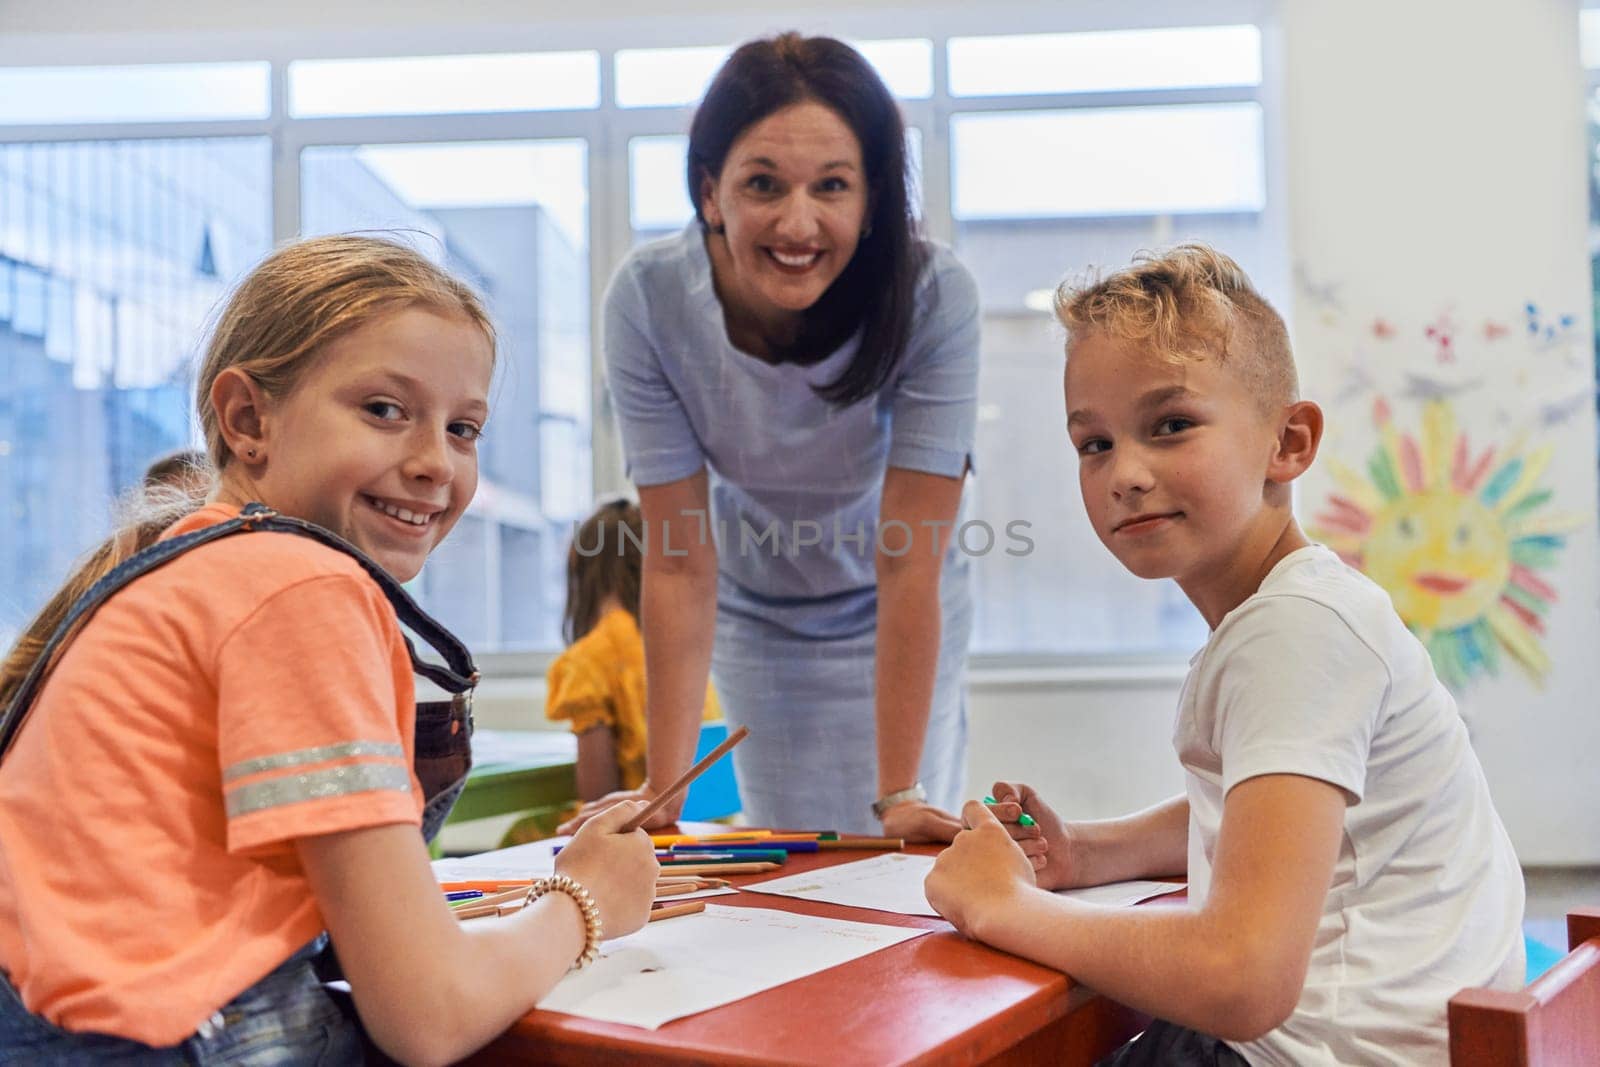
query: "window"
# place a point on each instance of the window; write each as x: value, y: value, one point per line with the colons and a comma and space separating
x: 1042, y: 186
x: 153, y: 93
x: 442, y: 85
x: 511, y: 217
x: 658, y: 201
x: 678, y: 77
x: 531, y: 172
x: 106, y: 294
x: 1187, y: 58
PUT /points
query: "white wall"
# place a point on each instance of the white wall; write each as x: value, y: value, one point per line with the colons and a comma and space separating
x: 1435, y: 153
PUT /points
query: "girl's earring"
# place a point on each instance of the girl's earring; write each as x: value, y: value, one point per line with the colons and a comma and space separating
x: 251, y: 453
x: 866, y: 231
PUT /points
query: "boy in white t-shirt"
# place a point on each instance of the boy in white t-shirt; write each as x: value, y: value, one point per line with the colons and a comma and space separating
x: 1347, y: 871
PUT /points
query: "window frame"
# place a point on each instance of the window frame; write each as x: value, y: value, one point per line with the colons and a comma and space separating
x: 608, y: 128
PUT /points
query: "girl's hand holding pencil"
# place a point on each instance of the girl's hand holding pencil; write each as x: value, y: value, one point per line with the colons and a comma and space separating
x: 618, y: 868
x: 660, y: 808
x: 639, y: 797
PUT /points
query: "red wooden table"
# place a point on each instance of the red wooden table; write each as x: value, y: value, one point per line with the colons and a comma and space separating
x: 935, y: 999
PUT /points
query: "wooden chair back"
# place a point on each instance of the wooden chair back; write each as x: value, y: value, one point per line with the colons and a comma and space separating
x: 1554, y: 1022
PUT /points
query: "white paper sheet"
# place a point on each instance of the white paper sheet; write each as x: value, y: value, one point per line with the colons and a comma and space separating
x: 890, y: 882
x: 693, y: 963
x: 1121, y: 894
x: 533, y: 860
x: 893, y: 882
x: 536, y: 859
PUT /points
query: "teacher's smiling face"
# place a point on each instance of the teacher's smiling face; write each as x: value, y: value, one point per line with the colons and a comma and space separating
x: 786, y: 213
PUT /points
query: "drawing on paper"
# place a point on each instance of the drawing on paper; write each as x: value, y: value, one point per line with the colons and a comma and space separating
x: 1458, y: 539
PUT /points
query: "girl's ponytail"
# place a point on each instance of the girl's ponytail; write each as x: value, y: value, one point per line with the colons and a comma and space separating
x: 150, y: 512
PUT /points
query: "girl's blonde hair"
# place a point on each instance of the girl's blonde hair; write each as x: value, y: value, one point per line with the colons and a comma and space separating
x: 1189, y: 302
x: 281, y: 317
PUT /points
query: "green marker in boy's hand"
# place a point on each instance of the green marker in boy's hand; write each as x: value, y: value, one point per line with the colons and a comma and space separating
x: 1024, y: 820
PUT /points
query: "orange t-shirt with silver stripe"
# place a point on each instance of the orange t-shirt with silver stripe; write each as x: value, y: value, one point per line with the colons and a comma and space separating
x: 253, y: 691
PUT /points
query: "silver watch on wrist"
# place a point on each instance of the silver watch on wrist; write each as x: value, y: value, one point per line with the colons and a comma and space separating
x: 912, y: 794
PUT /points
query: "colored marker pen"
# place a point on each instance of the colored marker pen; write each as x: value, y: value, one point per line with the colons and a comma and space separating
x: 1025, y: 820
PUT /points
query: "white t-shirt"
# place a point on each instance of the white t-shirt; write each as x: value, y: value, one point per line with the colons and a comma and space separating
x: 1316, y: 675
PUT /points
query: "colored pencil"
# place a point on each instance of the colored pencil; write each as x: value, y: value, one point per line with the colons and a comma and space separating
x: 487, y: 885
x: 676, y: 890
x: 665, y: 840
x: 688, y: 907
x: 515, y: 893
x: 670, y: 794
x: 888, y: 844
x: 716, y: 869
x: 674, y: 860
x: 463, y: 894
x: 754, y: 846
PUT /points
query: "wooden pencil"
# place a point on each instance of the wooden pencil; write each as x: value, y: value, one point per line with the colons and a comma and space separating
x: 695, y: 883
x: 688, y: 907
x: 487, y: 885
x: 671, y: 792
x: 516, y: 893
x: 715, y: 869
x: 676, y: 890
x: 494, y: 904
x: 887, y: 844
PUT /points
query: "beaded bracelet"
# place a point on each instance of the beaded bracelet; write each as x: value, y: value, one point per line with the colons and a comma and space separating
x: 560, y: 883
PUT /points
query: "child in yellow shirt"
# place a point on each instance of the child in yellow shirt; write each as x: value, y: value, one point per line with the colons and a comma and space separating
x: 597, y: 684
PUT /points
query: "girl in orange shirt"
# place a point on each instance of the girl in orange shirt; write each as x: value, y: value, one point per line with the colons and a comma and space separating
x: 227, y: 742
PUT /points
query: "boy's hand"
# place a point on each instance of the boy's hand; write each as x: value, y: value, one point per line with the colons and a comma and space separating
x: 1053, y: 861
x: 619, y: 870
x: 980, y: 874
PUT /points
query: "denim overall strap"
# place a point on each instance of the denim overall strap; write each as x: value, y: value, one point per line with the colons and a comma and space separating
x: 142, y: 563
x: 458, y: 676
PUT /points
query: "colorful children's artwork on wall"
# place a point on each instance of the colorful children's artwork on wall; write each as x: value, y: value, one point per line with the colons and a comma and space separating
x: 1460, y: 540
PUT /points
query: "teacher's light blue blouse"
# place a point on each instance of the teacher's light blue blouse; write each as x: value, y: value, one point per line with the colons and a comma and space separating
x: 796, y: 483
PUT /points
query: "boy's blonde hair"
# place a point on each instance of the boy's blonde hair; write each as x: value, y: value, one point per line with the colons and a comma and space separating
x: 273, y: 327
x: 1189, y: 302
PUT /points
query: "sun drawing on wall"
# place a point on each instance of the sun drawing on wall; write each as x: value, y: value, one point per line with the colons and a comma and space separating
x: 1458, y: 541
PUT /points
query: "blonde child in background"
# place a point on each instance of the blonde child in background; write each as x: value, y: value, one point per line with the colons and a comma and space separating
x: 219, y: 767
x: 597, y: 684
x: 1347, y: 870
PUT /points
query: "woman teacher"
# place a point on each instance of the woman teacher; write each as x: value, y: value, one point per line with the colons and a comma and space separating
x: 795, y: 377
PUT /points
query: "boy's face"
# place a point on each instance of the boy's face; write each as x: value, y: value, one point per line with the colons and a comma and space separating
x: 1172, y: 459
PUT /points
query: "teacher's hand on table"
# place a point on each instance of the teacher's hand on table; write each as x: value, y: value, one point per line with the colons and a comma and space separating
x: 920, y: 822
x: 665, y: 817
x: 980, y: 875
x: 619, y: 870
